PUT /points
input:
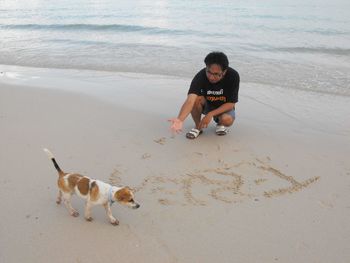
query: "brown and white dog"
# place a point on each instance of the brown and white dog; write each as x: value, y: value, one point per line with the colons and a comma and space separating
x: 94, y: 191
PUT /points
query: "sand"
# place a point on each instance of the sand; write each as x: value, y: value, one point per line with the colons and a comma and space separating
x: 275, y: 189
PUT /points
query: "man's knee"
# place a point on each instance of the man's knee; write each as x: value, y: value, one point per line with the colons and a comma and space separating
x: 226, y: 119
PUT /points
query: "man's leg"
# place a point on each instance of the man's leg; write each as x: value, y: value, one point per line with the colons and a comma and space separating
x: 226, y: 119
x: 197, y: 110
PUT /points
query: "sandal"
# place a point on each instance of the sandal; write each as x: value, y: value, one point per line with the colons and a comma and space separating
x: 221, y: 130
x: 193, y: 133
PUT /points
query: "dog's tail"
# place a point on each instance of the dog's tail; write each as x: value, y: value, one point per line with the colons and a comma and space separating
x: 53, y: 160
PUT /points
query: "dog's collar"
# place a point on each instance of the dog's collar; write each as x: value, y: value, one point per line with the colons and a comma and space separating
x: 110, y: 200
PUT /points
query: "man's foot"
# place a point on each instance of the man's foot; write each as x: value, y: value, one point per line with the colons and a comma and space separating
x: 193, y: 133
x: 221, y: 130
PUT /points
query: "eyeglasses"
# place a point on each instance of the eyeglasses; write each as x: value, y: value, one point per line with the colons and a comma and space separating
x: 215, y: 75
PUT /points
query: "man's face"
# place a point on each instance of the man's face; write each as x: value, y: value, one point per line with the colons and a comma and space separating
x: 214, y: 73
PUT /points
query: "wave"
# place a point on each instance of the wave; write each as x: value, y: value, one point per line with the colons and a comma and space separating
x: 96, y: 27
x: 307, y: 50
x: 295, y: 30
x: 318, y: 50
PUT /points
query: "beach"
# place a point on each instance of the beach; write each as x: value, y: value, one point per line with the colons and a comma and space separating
x: 275, y: 189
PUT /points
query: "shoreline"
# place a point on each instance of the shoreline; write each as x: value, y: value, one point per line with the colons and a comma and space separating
x: 277, y: 183
x: 70, y: 73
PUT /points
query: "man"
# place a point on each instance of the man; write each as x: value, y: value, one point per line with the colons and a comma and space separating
x: 214, y: 93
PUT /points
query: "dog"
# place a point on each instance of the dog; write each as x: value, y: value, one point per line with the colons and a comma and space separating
x: 95, y: 192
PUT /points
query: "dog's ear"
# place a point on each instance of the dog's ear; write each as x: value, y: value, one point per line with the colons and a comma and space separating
x: 123, y: 195
x: 130, y: 189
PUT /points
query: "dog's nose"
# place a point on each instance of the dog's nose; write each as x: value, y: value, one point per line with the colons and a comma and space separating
x: 136, y: 206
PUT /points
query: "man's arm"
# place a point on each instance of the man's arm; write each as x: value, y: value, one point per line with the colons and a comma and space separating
x: 187, y: 106
x: 176, y: 123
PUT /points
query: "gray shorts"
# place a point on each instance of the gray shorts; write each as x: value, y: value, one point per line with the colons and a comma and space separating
x: 207, y: 109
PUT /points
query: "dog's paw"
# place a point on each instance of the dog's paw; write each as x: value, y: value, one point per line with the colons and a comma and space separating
x: 89, y: 219
x: 74, y: 213
x: 115, y: 222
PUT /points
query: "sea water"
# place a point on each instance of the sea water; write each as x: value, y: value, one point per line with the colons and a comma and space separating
x: 294, y: 44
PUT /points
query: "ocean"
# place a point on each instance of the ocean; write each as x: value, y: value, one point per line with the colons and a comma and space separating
x: 294, y: 44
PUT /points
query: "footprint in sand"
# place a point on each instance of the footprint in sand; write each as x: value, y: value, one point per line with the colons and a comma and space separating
x: 146, y: 156
x: 160, y: 141
x: 115, y: 177
x: 260, y: 181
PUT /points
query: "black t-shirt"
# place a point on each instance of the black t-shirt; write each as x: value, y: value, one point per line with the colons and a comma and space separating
x: 226, y: 90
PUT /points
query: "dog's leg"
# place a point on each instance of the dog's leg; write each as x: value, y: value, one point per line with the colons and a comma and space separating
x: 59, y: 197
x: 88, y: 211
x: 112, y: 219
x: 66, y: 199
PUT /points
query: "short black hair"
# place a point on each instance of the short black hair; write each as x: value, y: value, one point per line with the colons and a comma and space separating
x: 218, y: 58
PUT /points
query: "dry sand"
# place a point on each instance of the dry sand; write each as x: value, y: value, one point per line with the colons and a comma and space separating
x: 275, y: 189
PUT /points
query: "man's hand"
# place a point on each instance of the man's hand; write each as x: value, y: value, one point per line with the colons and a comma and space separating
x: 176, y: 125
x: 205, y: 121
